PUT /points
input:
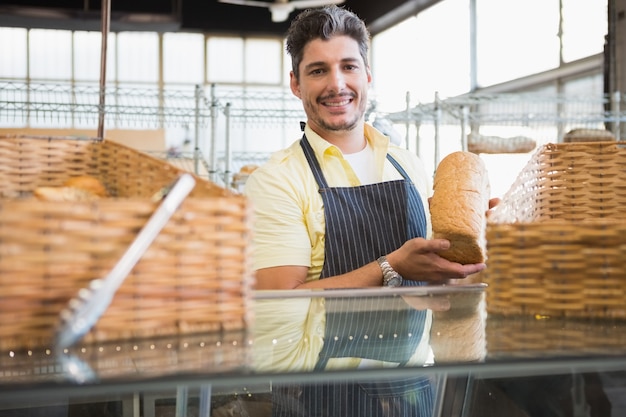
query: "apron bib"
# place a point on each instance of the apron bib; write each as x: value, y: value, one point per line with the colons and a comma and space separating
x: 363, y: 223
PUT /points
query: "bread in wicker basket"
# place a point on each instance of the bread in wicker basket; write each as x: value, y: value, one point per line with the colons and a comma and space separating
x: 194, y: 277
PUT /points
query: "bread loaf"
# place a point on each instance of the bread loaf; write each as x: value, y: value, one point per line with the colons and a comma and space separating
x: 459, y: 205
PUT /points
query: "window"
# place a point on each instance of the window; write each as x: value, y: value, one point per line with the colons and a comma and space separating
x: 515, y: 39
x: 584, y: 28
x: 434, y: 57
x: 50, y: 56
x: 263, y: 61
x: 225, y: 60
x: 238, y: 60
x: 87, y: 51
x: 13, y: 47
x: 183, y: 58
x: 138, y: 57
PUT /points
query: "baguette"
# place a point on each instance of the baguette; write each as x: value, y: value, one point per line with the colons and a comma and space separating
x: 495, y: 144
x: 588, y: 135
x: 459, y: 205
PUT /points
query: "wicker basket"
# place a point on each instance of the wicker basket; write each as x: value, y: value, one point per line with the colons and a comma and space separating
x: 557, y: 242
x: 194, y: 277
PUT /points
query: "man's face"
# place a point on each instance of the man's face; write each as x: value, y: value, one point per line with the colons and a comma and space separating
x: 333, y: 84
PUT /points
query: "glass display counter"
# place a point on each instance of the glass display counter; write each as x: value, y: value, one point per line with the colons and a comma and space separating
x: 477, y: 364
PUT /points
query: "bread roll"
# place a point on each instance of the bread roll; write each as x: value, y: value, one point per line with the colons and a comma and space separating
x: 240, y: 177
x: 248, y: 169
x: 82, y: 188
x: 89, y: 184
x: 66, y: 194
x: 459, y: 205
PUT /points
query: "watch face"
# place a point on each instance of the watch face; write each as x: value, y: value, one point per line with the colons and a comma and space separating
x: 395, y: 281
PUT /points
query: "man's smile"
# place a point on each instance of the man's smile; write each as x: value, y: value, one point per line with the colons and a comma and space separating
x: 337, y: 101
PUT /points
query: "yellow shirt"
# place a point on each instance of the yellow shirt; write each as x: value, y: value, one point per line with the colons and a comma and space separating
x: 289, y: 223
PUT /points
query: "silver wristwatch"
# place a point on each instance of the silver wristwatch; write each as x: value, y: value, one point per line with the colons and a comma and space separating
x: 390, y: 277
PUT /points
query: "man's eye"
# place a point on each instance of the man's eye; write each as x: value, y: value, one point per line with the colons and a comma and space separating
x: 317, y: 71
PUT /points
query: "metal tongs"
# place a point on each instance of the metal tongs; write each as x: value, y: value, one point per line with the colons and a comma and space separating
x: 87, y: 307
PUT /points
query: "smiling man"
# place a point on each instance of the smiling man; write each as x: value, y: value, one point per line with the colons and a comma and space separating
x: 344, y: 208
x: 342, y: 190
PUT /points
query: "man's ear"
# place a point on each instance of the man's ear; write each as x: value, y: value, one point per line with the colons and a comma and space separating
x: 294, y: 84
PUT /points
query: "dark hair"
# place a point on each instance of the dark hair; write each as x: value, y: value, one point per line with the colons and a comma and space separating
x: 324, y: 23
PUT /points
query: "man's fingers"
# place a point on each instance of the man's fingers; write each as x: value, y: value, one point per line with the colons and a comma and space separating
x: 434, y: 245
x: 471, y: 269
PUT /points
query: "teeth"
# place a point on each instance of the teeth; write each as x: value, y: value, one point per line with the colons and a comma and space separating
x: 341, y: 103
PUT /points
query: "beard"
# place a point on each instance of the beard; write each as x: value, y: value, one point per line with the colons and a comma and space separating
x: 347, y: 124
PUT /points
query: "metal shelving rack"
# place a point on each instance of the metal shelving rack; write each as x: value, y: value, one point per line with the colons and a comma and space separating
x: 546, y: 117
x: 78, y: 105
x: 28, y: 104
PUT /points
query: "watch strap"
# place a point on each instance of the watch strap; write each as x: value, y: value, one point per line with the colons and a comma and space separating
x: 390, y: 277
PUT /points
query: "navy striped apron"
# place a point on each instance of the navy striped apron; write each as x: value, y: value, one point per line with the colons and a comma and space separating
x: 363, y: 223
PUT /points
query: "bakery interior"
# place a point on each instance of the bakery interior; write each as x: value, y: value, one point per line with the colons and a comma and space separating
x: 200, y: 87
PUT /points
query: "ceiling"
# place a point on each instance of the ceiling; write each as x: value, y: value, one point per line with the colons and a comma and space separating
x: 208, y: 16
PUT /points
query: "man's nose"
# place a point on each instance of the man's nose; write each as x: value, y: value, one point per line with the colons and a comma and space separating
x: 337, y: 80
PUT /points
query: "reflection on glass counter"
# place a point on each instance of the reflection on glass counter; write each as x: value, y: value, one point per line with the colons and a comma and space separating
x: 372, y: 329
x: 301, y: 340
